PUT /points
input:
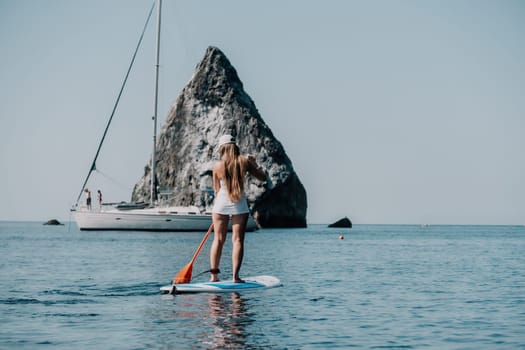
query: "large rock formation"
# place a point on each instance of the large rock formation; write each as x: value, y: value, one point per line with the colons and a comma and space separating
x: 212, y: 104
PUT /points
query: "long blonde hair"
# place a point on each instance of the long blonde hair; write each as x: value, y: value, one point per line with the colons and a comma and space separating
x: 234, y: 170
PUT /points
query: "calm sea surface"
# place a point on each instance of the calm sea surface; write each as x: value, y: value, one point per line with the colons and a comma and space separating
x: 382, y: 287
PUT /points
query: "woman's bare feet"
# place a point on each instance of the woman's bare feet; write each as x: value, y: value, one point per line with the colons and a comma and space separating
x: 214, y: 275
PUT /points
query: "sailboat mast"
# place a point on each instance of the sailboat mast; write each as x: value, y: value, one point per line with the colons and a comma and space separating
x: 155, y: 108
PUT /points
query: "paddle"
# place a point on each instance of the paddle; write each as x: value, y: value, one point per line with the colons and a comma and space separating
x: 184, y: 275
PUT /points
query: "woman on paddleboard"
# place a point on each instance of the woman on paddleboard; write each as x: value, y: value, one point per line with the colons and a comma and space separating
x: 230, y: 201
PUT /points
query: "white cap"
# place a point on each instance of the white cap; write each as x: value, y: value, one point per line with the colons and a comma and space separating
x: 225, y: 139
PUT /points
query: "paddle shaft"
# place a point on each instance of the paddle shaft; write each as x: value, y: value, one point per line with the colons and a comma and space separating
x: 199, y: 248
x: 184, y: 275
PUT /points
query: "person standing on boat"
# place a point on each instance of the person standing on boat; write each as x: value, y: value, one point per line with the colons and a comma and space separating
x: 88, y: 198
x: 230, y: 201
x: 99, y: 194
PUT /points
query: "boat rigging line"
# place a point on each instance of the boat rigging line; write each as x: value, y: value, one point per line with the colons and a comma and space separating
x: 114, y: 181
x: 93, y: 165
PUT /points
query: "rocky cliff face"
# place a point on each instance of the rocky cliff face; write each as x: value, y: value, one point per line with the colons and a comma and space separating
x: 212, y: 104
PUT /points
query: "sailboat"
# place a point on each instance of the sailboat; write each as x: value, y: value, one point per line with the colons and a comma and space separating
x: 143, y: 216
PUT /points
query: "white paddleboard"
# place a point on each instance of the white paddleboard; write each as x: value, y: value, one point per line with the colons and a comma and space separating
x: 251, y: 283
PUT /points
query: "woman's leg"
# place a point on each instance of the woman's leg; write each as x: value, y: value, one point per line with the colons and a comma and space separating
x: 238, y: 231
x: 220, y: 228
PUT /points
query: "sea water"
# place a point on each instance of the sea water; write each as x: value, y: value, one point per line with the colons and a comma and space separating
x: 381, y: 287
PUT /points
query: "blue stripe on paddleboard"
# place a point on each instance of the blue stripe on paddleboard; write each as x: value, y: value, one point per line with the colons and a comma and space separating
x: 255, y: 282
x: 225, y: 285
x: 244, y: 285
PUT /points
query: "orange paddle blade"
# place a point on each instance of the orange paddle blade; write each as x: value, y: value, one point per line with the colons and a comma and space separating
x: 184, y: 275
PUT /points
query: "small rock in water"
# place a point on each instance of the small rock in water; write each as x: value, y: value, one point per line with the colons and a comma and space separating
x: 343, y: 223
x: 53, y: 222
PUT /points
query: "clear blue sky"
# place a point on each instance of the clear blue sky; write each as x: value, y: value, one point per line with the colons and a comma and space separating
x: 391, y: 111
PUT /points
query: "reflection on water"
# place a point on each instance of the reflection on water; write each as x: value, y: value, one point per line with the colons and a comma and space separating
x: 210, y: 321
x: 228, y: 320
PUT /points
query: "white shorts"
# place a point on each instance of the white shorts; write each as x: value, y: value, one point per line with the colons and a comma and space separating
x: 224, y: 206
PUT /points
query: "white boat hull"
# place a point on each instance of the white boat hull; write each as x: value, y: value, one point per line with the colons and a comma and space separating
x: 146, y: 220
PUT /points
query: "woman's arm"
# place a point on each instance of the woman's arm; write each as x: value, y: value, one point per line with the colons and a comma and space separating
x: 254, y: 169
x: 216, y: 177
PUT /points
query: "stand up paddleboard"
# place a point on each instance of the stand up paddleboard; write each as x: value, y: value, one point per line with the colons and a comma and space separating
x: 251, y: 283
